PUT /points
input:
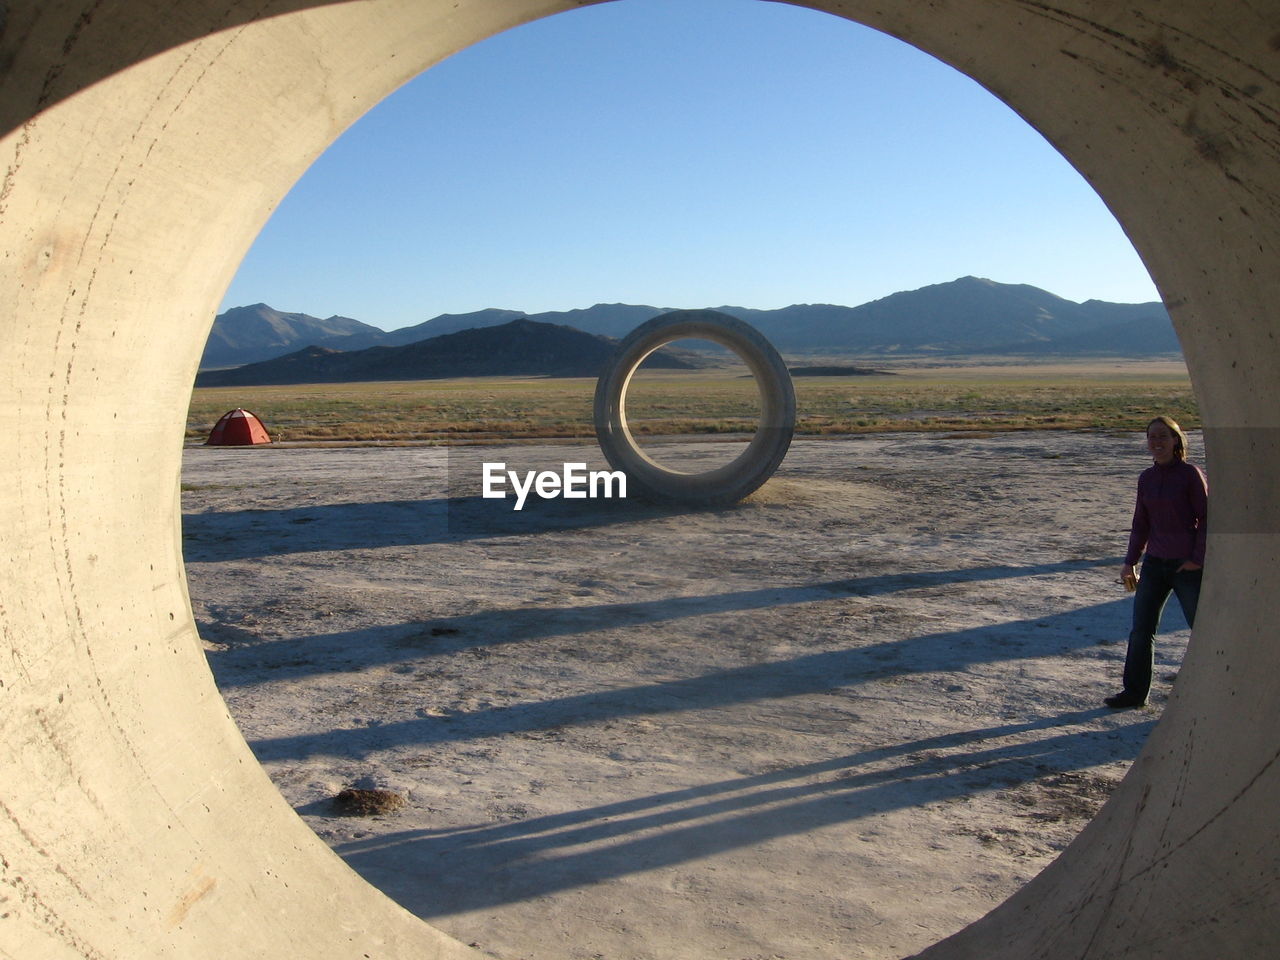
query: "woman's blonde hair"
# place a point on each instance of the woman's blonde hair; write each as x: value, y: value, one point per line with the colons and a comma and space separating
x: 1179, y: 438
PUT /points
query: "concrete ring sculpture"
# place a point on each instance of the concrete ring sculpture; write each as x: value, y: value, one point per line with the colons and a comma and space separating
x: 143, y: 153
x: 750, y: 469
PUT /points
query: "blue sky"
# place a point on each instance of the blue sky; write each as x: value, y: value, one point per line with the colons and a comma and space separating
x: 681, y: 153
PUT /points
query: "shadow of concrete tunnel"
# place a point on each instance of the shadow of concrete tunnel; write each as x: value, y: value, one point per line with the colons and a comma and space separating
x: 145, y: 144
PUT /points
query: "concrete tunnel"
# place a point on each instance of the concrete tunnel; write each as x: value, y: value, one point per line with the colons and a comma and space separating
x: 145, y: 142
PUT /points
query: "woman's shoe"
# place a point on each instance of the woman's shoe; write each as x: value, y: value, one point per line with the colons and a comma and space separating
x: 1125, y: 700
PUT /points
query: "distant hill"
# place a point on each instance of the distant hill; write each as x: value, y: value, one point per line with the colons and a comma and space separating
x: 969, y: 316
x: 251, y: 334
x: 245, y: 334
x: 606, y: 319
x: 963, y: 317
x: 520, y: 347
x: 1142, y: 333
x: 452, y: 323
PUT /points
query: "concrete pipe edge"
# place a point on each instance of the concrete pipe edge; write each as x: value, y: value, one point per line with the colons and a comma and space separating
x: 144, y: 149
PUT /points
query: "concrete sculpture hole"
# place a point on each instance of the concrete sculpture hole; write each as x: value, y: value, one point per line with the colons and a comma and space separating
x: 680, y: 729
x: 693, y: 405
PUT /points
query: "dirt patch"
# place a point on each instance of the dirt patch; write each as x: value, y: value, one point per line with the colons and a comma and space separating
x: 357, y: 802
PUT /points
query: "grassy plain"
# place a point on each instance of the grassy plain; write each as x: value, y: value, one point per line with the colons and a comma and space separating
x: 993, y: 396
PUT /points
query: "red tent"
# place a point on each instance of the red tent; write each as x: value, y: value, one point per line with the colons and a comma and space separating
x: 237, y: 428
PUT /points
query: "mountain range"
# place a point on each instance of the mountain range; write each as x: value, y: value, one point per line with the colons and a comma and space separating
x: 963, y: 317
x: 520, y: 347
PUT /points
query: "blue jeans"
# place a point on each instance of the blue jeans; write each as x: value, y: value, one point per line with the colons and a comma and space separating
x: 1158, y: 579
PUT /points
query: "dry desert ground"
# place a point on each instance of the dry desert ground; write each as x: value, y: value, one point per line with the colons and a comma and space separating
x: 843, y: 718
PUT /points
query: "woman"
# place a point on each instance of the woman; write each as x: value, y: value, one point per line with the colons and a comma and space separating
x: 1169, y: 525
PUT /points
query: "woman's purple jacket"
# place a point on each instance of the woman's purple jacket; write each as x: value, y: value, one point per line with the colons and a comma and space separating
x: 1169, y: 518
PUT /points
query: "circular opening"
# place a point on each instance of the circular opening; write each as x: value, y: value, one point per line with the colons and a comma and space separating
x: 624, y: 719
x: 692, y: 406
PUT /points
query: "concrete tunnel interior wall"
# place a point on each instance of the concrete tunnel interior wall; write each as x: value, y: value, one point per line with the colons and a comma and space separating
x: 143, y: 149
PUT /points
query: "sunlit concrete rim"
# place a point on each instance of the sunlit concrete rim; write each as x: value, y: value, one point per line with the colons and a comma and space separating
x: 144, y: 145
x: 774, y: 428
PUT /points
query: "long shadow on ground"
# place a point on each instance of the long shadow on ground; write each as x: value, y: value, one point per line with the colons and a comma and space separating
x: 345, y: 651
x: 254, y: 532
x: 952, y: 650
x: 437, y: 872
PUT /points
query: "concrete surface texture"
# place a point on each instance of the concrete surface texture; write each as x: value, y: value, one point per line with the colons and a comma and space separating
x: 145, y: 142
